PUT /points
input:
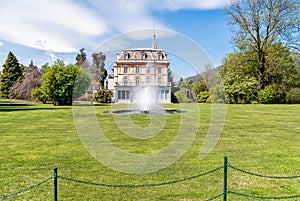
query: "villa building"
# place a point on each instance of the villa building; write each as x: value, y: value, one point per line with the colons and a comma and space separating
x: 139, y: 67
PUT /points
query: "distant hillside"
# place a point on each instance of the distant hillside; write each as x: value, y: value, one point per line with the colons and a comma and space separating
x: 201, y: 74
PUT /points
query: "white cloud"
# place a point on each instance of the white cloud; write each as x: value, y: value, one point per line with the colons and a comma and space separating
x: 61, y: 23
x: 68, y: 25
x: 129, y: 15
x: 1, y: 44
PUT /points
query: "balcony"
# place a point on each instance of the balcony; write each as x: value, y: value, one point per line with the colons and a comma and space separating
x: 141, y: 84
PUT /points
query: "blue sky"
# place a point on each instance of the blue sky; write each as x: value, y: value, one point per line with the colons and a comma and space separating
x: 44, y: 30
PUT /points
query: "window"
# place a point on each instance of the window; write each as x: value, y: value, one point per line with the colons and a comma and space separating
x: 159, y: 81
x: 164, y: 94
x: 123, y: 94
x: 148, y: 69
x: 148, y: 80
x: 126, y: 56
x: 143, y: 56
x: 137, y: 81
x: 125, y: 69
x: 137, y: 69
x: 159, y: 57
x: 125, y: 81
x: 159, y: 70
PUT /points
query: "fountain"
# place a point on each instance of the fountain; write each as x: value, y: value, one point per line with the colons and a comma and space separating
x: 144, y: 100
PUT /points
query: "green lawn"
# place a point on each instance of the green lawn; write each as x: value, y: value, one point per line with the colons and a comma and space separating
x: 264, y: 139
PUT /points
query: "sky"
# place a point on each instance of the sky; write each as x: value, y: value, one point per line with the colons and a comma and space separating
x: 42, y: 31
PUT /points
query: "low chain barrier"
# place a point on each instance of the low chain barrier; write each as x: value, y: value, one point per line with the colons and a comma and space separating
x: 225, y: 193
x: 215, y: 197
x: 264, y: 176
x: 25, y: 189
x: 141, y: 185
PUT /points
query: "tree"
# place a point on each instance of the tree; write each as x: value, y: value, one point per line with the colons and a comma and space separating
x: 240, y: 89
x: 241, y: 80
x: 199, y: 87
x: 39, y: 94
x: 203, y: 96
x: 208, y: 86
x: 293, y: 96
x: 12, y: 72
x: 181, y: 97
x: 182, y: 83
x: 272, y: 94
x: 98, y: 71
x: 81, y: 59
x: 281, y: 68
x: 32, y: 79
x: 64, y: 83
x: 258, y: 24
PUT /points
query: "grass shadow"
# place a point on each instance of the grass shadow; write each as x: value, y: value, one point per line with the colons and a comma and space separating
x: 13, y: 107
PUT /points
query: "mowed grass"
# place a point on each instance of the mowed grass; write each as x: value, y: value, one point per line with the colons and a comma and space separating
x: 259, y: 138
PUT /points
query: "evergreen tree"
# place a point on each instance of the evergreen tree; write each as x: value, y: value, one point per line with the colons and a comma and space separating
x: 12, y: 73
x: 81, y: 59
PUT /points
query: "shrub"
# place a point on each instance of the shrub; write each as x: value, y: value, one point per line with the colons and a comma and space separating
x: 203, y: 96
x: 208, y: 100
x: 103, y: 96
x: 272, y: 94
x: 266, y: 95
x: 38, y: 94
x: 293, y: 96
x: 182, y: 97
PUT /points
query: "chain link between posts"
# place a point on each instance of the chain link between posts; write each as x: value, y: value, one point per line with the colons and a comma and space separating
x: 264, y: 176
x: 141, y: 185
x: 26, y: 189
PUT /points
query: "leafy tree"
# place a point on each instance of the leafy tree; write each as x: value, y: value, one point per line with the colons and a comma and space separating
x: 182, y: 83
x: 199, y: 87
x: 189, y: 84
x: 241, y: 78
x: 186, y: 87
x: 272, y: 94
x: 32, y: 79
x: 240, y: 89
x: 103, y: 96
x: 12, y: 73
x: 98, y: 70
x: 203, y: 96
x: 217, y: 94
x: 64, y: 83
x: 181, y: 97
x: 258, y: 24
x: 293, y: 96
x: 39, y: 94
x: 281, y: 68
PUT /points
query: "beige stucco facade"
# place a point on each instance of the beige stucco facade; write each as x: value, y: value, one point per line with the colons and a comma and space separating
x: 139, y: 67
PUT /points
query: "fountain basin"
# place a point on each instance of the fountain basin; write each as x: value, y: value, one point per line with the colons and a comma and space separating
x: 147, y: 112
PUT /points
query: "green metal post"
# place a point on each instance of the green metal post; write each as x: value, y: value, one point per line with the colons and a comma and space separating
x: 55, y: 183
x: 225, y: 179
